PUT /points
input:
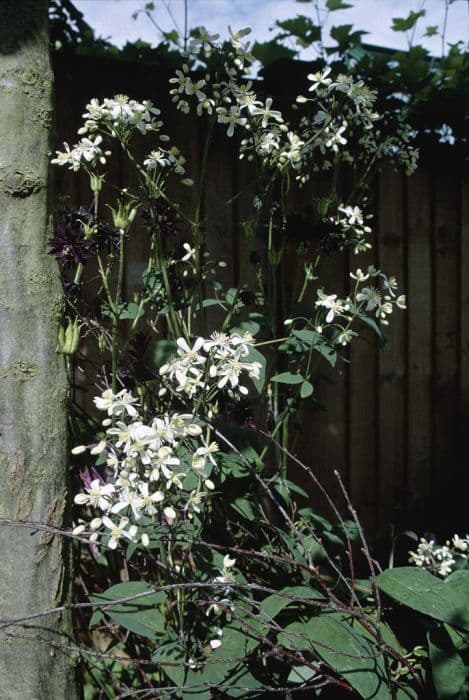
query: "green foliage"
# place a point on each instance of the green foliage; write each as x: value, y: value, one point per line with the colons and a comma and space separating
x: 417, y: 589
x: 337, y: 5
x: 269, y: 52
x: 302, y: 29
x: 448, y: 669
x: 140, y: 614
x: 192, y: 492
x: 345, y: 649
x: 401, y: 24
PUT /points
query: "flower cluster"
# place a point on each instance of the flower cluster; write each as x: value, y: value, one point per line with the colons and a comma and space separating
x: 377, y: 299
x: 119, y: 115
x: 353, y: 228
x: 337, y: 110
x: 212, y: 364
x: 441, y: 559
x: 166, y: 159
x: 86, y: 153
x: 221, y: 605
x: 157, y: 471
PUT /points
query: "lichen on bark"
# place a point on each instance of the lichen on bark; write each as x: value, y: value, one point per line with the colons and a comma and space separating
x: 35, y: 574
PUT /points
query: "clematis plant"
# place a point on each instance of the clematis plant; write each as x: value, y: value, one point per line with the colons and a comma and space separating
x: 190, y: 494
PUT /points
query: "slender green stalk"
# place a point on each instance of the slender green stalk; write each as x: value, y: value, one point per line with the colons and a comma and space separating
x: 115, y: 317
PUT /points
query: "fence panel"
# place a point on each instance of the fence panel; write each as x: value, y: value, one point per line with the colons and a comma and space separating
x: 395, y: 418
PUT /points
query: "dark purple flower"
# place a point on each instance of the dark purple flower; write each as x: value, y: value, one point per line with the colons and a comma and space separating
x: 107, y: 236
x: 69, y: 245
x: 247, y: 297
x: 165, y: 219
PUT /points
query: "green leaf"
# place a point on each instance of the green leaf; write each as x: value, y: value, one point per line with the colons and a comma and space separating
x: 310, y: 547
x: 337, y: 5
x: 270, y: 51
x: 158, y: 353
x: 431, y: 30
x: 246, y: 327
x: 344, y: 649
x: 285, y: 486
x: 131, y: 311
x: 403, y: 24
x: 448, y: 670
x: 125, y: 310
x: 305, y: 31
x: 329, y: 353
x: 199, y: 691
x: 172, y: 36
x: 458, y: 581
x: 245, y: 508
x: 371, y: 323
x: 210, y: 302
x: 140, y: 615
x: 242, y: 678
x: 301, y: 674
x: 309, y: 337
x: 287, y: 378
x: 255, y: 356
x: 173, y: 653
x: 418, y: 589
x: 459, y: 638
x: 231, y: 295
x: 237, y: 642
x: 275, y: 603
x: 344, y: 36
x: 306, y: 389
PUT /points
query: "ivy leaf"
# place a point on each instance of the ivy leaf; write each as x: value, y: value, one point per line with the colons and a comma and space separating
x: 403, y: 24
x: 432, y: 30
x: 302, y: 28
x: 287, y: 378
x: 139, y: 615
x: 269, y: 52
x: 344, y: 36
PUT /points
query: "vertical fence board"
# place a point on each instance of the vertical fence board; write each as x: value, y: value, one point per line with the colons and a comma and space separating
x: 464, y: 273
x: 419, y: 323
x: 445, y: 338
x: 363, y: 407
x: 392, y: 358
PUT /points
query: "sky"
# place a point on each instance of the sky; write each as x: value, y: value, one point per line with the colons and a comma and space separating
x: 113, y: 18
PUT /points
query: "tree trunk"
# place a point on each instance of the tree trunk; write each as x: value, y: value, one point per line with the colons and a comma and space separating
x: 34, y: 573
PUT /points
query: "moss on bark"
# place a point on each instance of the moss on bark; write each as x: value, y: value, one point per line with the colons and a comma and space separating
x: 33, y: 389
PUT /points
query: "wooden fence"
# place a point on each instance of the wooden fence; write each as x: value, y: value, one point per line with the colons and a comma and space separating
x: 396, y: 419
